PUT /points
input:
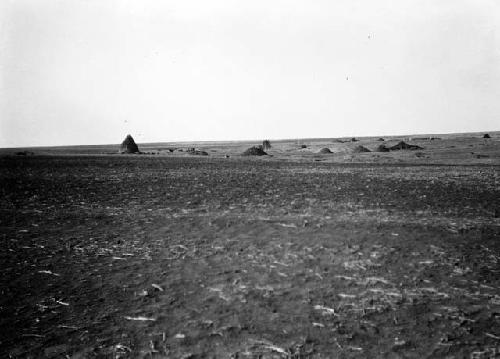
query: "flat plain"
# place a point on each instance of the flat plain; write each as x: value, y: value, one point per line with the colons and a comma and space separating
x: 292, y: 255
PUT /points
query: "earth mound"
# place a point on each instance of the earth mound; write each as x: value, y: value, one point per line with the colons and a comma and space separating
x: 486, y: 135
x: 254, y: 151
x: 129, y: 145
x: 382, y: 148
x: 360, y: 149
x: 195, y: 152
x: 325, y: 150
x: 24, y: 153
x: 404, y: 146
x: 381, y: 139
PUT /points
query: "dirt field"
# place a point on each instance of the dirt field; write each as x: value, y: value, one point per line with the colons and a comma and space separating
x: 298, y: 255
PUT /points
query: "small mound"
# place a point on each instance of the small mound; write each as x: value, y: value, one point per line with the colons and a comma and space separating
x: 486, y: 135
x: 354, y: 139
x: 360, y: 149
x: 254, y: 151
x: 325, y: 150
x: 382, y: 148
x: 303, y: 146
x: 198, y: 153
x: 24, y: 153
x: 129, y: 145
x: 404, y: 146
x: 381, y: 139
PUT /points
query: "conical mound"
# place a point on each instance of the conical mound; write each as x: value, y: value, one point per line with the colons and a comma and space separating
x: 325, y: 150
x: 382, y: 148
x: 404, y: 146
x: 129, y: 145
x: 360, y: 149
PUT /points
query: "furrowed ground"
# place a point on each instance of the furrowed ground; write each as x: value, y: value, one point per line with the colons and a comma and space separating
x: 123, y: 256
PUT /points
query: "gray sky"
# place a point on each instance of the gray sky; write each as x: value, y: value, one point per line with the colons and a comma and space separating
x: 91, y: 71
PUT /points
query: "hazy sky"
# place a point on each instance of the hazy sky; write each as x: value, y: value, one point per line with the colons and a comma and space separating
x: 91, y: 71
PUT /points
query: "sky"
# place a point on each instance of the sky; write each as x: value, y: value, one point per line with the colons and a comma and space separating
x: 92, y: 71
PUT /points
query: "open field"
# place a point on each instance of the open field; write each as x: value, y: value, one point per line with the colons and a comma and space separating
x: 467, y: 148
x: 298, y: 255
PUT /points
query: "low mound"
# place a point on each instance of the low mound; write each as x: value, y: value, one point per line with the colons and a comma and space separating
x: 325, y: 150
x: 380, y: 139
x: 24, y: 153
x: 382, y: 148
x: 404, y: 146
x: 254, y: 151
x: 198, y: 153
x: 486, y: 135
x: 129, y: 145
x: 360, y: 149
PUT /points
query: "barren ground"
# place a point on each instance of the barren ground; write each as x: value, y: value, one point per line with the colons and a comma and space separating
x: 293, y: 256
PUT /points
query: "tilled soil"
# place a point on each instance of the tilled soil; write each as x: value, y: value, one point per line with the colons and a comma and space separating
x: 123, y: 256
